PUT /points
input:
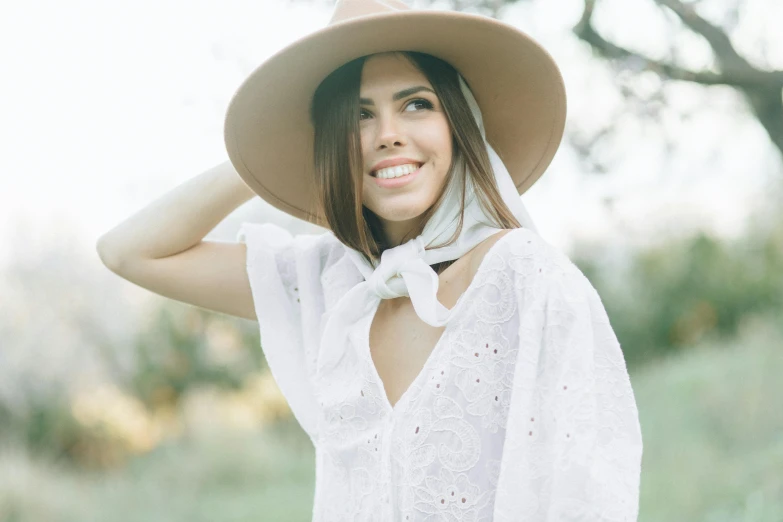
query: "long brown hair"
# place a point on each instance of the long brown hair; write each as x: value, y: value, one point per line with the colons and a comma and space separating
x: 337, y: 150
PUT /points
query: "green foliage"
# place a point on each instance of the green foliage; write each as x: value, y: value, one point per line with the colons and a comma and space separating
x: 180, y: 349
x: 711, y: 424
x: 46, y: 425
x: 229, y: 477
x: 679, y: 292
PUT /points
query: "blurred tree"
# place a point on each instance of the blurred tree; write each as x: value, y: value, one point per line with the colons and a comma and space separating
x: 184, y: 347
x: 180, y: 348
x: 685, y: 291
x: 761, y: 88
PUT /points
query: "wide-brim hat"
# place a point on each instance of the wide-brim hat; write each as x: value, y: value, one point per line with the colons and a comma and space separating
x: 516, y: 83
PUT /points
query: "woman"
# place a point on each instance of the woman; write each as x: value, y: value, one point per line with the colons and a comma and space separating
x: 447, y: 363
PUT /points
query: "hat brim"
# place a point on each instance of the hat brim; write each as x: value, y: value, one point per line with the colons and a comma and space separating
x: 269, y: 137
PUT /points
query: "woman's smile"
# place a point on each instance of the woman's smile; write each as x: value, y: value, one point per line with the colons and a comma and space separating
x: 388, y: 178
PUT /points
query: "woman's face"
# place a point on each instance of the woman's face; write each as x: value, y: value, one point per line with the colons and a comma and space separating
x: 401, y: 120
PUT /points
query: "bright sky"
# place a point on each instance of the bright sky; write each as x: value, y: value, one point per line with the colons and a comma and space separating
x: 107, y: 105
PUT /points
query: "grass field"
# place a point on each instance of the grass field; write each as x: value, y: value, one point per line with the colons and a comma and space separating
x: 712, y: 421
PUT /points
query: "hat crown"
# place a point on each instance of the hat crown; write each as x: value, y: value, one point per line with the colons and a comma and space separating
x: 350, y: 9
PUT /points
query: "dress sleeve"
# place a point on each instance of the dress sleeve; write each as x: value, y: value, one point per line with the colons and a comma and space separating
x: 573, y: 445
x: 285, y: 280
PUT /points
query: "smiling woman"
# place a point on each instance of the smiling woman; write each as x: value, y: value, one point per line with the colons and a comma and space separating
x: 411, y: 115
x: 445, y: 360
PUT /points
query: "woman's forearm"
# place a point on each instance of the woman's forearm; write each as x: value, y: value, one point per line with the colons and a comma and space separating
x: 177, y: 220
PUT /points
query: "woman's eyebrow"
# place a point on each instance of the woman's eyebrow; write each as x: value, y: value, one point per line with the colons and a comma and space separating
x: 399, y: 95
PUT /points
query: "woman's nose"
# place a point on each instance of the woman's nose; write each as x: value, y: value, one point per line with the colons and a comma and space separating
x: 389, y: 134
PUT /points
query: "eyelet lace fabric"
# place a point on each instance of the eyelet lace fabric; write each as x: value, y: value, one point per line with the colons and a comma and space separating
x: 523, y: 411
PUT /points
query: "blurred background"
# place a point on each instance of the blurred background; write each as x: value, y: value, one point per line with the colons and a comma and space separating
x: 120, y: 405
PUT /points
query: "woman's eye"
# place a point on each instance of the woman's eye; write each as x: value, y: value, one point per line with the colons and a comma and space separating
x: 426, y: 104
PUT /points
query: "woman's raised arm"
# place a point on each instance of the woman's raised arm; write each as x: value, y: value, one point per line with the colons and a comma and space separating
x: 161, y: 247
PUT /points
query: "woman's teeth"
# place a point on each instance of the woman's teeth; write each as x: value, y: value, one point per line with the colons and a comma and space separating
x: 396, y: 172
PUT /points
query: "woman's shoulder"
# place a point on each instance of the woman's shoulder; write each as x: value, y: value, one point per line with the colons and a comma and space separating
x: 525, y: 260
x: 319, y: 249
x: 327, y: 252
x: 535, y: 263
x: 524, y: 251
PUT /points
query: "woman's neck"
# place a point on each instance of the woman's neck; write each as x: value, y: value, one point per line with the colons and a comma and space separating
x: 395, y: 231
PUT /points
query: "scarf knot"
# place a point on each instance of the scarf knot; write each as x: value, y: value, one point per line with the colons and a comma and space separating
x: 386, y: 280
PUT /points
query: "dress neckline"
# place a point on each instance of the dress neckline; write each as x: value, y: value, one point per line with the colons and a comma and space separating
x: 366, y: 353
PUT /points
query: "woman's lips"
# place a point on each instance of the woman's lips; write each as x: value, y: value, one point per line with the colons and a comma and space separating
x: 397, y: 182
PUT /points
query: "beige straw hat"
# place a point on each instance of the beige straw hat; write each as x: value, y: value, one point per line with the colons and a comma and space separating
x: 269, y: 136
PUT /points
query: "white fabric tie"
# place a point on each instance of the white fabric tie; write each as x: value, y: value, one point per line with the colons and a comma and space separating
x: 405, y: 270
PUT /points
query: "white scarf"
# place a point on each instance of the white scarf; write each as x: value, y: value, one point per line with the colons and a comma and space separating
x: 405, y: 269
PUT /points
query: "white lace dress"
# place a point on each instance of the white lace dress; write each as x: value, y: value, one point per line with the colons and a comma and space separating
x: 523, y: 411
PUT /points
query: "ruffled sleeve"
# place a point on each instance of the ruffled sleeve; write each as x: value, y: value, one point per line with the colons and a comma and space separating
x: 573, y: 445
x: 286, y: 279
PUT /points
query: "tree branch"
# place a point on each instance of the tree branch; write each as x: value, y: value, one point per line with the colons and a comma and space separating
x: 747, y: 77
x: 724, y: 50
x: 731, y: 62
